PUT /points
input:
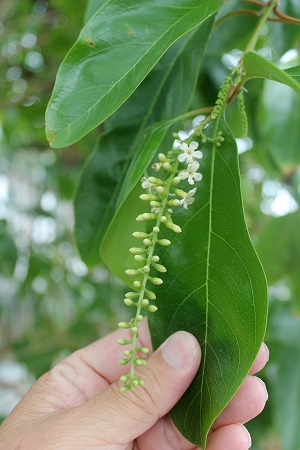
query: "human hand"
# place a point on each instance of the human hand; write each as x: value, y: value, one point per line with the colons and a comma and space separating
x: 77, y: 404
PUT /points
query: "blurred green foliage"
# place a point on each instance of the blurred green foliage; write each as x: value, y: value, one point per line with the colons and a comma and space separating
x: 49, y: 303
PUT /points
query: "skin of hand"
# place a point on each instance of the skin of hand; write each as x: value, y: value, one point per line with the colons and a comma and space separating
x: 77, y: 404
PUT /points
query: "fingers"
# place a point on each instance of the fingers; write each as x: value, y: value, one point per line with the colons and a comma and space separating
x: 121, y: 418
x: 230, y: 437
x: 164, y: 435
x: 261, y: 359
x: 247, y: 403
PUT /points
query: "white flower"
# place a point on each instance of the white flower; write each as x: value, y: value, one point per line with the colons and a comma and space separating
x: 189, y: 152
x: 155, y: 210
x: 191, y: 173
x: 188, y: 199
x: 145, y: 183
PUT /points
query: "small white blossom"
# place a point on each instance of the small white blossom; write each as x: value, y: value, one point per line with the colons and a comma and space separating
x: 188, y: 199
x: 155, y: 210
x: 145, y: 183
x: 191, y: 173
x: 189, y: 152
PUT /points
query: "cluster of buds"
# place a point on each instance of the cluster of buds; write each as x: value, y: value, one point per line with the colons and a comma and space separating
x: 163, y: 194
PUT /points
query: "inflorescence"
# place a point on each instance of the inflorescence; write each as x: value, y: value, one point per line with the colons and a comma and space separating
x: 163, y: 193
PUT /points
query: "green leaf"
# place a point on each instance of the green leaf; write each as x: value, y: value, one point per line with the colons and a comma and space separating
x: 92, y: 7
x: 85, y: 96
x: 258, y: 67
x: 283, y: 377
x: 214, y: 288
x: 279, y: 118
x: 98, y: 191
x: 161, y: 95
x: 294, y: 72
x: 286, y: 396
x: 118, y: 238
x: 280, y: 260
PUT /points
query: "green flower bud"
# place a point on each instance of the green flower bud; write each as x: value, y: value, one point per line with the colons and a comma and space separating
x: 155, y: 280
x: 137, y: 250
x: 164, y: 242
x: 152, y: 308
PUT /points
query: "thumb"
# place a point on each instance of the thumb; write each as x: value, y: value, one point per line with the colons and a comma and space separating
x: 119, y: 418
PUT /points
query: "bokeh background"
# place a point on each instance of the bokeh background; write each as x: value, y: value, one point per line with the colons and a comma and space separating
x: 50, y: 304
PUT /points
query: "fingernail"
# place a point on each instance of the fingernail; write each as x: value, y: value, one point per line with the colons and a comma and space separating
x: 248, y: 434
x: 264, y: 385
x: 267, y: 350
x: 179, y: 350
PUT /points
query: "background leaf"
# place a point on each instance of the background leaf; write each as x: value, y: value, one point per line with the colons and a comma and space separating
x: 258, y: 67
x: 162, y: 95
x: 283, y: 374
x: 98, y: 190
x: 279, y: 118
x: 215, y: 288
x: 80, y: 100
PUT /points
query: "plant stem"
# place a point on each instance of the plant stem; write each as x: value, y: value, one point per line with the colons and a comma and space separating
x: 254, y: 38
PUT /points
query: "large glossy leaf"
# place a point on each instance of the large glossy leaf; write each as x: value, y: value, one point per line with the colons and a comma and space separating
x: 258, y: 67
x: 214, y: 287
x: 126, y: 40
x: 162, y: 95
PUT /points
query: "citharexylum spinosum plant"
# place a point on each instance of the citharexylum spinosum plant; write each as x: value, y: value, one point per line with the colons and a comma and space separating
x: 178, y: 208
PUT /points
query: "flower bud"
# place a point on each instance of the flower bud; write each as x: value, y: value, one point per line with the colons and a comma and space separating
x: 159, y: 267
x: 139, y: 234
x: 124, y: 325
x: 157, y: 181
x: 152, y: 308
x: 132, y: 272
x: 137, y: 284
x: 150, y: 294
x: 164, y: 242
x: 137, y: 250
x: 139, y: 258
x: 146, y: 269
x: 123, y: 342
x: 147, y: 242
x: 162, y: 157
x: 124, y: 378
x: 155, y: 258
x: 155, y: 280
x: 124, y: 361
x: 129, y: 302
x: 149, y: 216
x: 145, y: 303
x: 132, y: 295
x: 140, y: 362
x: 160, y: 190
x: 143, y: 350
x: 156, y: 230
